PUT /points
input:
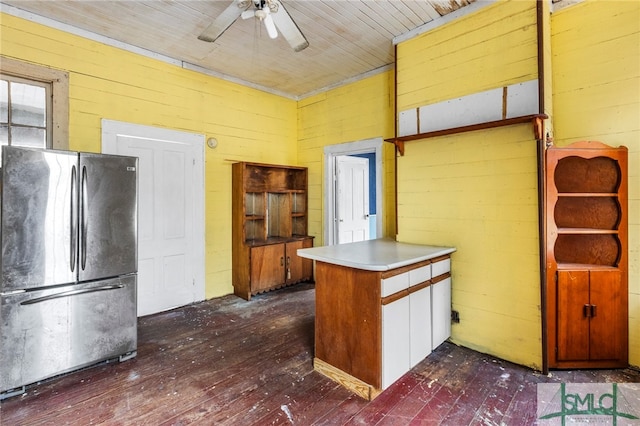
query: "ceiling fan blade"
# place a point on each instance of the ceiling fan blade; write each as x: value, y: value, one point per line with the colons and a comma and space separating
x: 248, y: 14
x: 271, y: 28
x: 288, y: 28
x: 222, y: 22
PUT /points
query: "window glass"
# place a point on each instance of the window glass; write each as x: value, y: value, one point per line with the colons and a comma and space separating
x: 4, y: 134
x: 28, y: 136
x: 4, y: 101
x: 28, y: 105
x: 24, y: 111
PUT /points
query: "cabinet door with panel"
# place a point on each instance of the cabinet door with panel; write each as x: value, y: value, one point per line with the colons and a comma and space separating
x: 396, y: 341
x: 420, y: 323
x: 440, y: 310
x: 588, y: 316
x: 267, y: 267
x: 440, y: 300
x: 297, y: 268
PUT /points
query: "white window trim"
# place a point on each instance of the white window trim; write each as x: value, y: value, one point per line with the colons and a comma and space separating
x: 59, y: 81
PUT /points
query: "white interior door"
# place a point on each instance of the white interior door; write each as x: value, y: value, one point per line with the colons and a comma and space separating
x: 170, y: 209
x: 353, y: 198
x: 330, y: 188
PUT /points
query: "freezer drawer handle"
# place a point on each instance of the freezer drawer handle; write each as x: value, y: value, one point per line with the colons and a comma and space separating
x: 72, y: 293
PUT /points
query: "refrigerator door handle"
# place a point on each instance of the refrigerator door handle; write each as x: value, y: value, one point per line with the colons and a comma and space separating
x: 83, y: 219
x: 73, y: 243
x: 71, y: 293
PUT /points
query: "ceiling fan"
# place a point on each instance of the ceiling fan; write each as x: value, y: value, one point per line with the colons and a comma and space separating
x: 270, y: 12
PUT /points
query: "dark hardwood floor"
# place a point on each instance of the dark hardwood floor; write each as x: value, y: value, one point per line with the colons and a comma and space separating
x: 232, y: 362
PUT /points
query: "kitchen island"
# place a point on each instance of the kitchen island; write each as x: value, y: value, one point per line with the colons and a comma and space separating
x: 381, y: 307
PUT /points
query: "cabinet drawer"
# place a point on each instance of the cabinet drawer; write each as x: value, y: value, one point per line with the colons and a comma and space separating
x: 419, y: 275
x: 441, y: 267
x: 395, y: 283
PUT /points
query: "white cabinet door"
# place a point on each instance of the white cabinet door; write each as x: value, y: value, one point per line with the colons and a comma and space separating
x: 420, y: 324
x: 395, y: 341
x: 441, y: 311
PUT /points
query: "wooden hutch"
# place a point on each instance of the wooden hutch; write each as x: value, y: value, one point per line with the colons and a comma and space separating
x: 269, y: 209
x: 586, y: 250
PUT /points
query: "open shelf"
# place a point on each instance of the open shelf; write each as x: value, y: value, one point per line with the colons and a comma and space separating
x: 592, y: 248
x: 537, y: 120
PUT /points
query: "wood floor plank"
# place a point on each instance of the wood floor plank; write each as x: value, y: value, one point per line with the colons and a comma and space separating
x: 342, y: 413
x: 386, y: 401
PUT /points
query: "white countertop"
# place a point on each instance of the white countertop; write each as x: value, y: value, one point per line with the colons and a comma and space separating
x: 374, y: 255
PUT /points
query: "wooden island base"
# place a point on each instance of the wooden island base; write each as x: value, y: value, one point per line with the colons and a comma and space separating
x: 381, y: 308
x: 354, y: 384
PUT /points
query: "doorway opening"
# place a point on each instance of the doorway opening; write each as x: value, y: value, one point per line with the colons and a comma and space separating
x: 353, y: 195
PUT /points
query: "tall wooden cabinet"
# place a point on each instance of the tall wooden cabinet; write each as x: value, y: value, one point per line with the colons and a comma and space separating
x: 269, y: 208
x: 586, y: 252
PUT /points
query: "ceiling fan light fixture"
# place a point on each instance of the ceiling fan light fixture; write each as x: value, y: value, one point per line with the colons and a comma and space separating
x: 275, y: 17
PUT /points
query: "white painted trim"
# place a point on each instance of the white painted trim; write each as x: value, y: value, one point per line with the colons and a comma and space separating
x: 330, y: 153
x: 111, y: 128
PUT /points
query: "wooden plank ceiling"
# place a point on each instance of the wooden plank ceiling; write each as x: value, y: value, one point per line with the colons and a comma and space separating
x: 347, y: 38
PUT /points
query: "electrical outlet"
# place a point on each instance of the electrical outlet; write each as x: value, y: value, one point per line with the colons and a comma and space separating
x: 455, y: 316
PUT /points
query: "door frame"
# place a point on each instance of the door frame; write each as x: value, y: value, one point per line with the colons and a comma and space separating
x: 374, y: 145
x: 195, y: 140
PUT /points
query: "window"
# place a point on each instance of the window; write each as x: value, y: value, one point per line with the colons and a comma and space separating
x: 34, y: 105
x: 25, y: 112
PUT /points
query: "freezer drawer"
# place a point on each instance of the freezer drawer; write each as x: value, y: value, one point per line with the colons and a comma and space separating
x: 48, y: 332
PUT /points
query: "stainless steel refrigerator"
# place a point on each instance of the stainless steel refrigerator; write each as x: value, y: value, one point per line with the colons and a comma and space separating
x: 68, y: 263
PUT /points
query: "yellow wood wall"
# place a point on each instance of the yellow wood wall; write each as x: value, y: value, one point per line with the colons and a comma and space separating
x: 106, y: 82
x: 492, y: 48
x: 596, y: 96
x: 477, y: 191
x: 356, y: 112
